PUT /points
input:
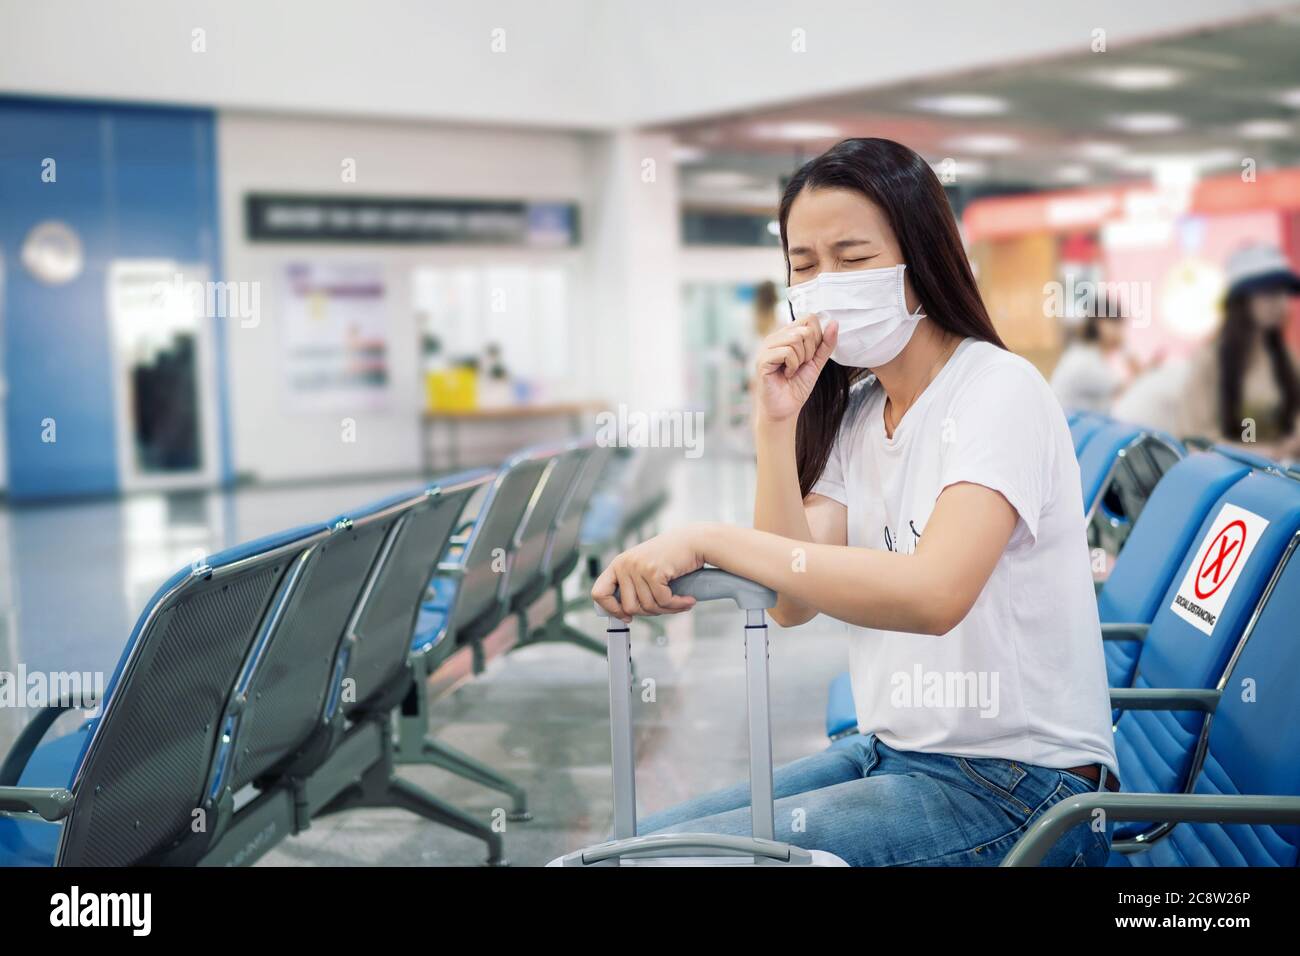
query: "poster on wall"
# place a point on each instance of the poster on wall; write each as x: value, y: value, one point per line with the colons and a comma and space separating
x: 335, y: 335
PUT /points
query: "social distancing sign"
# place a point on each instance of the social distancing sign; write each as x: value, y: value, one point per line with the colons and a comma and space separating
x: 1217, y: 566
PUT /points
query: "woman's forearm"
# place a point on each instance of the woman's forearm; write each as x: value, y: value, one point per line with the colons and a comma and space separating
x: 778, y: 505
x: 870, y: 588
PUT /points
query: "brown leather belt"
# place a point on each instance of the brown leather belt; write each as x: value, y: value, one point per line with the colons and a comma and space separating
x: 1093, y: 772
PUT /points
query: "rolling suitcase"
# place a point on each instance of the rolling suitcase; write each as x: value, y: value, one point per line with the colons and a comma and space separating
x: 697, y: 849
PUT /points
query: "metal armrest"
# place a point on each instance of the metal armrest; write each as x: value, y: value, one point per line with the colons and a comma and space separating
x: 50, y: 803
x: 1161, y: 698
x: 1124, y: 632
x: 1043, y: 834
x: 15, y: 761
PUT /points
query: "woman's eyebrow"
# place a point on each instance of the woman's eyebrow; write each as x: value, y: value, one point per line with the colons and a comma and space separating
x: 837, y: 246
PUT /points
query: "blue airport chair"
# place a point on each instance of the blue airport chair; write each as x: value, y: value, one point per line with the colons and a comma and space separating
x: 1154, y: 550
x: 1082, y: 429
x: 1099, y: 456
x: 541, y: 553
x: 563, y: 554
x: 1131, y: 596
x: 1157, y: 749
x: 1248, y: 458
x: 305, y: 727
x: 122, y: 789
x: 527, y: 578
x: 629, y: 503
x: 841, y: 712
x: 378, y: 667
x: 466, y: 598
x: 335, y: 666
x: 625, y: 507
x: 309, y: 730
x: 465, y: 617
x: 1137, y: 471
x: 1244, y: 809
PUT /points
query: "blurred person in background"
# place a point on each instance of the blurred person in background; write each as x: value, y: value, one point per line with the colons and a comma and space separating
x: 1246, y: 374
x: 765, y: 303
x: 741, y: 358
x: 766, y: 300
x: 1086, y: 378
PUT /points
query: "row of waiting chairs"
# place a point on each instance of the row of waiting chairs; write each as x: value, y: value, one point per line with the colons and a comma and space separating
x: 290, y: 677
x: 1120, y: 465
x: 1211, y: 716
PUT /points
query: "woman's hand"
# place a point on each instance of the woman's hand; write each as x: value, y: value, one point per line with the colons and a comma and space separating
x: 641, y: 575
x: 789, y: 362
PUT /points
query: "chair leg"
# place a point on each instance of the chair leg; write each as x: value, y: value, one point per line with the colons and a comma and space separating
x: 569, y: 634
x: 414, y: 746
x: 409, y: 797
x: 379, y: 787
x: 463, y: 765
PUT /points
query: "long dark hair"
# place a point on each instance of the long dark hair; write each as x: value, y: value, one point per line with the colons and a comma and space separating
x: 1235, y: 343
x: 905, y: 188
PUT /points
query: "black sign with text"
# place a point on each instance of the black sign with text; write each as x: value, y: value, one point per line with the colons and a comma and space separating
x: 391, y: 219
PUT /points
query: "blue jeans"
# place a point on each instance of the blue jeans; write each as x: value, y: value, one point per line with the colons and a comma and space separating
x: 872, y: 805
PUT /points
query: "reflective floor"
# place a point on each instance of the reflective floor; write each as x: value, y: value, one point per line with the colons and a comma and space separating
x: 74, y: 577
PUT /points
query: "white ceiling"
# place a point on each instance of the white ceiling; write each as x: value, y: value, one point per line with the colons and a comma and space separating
x: 575, y: 64
x: 1194, y: 104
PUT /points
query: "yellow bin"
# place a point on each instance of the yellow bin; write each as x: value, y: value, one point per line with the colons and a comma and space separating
x: 452, y: 390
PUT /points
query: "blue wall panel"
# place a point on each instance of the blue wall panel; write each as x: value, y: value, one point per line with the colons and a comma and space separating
x: 133, y: 183
x: 56, y: 337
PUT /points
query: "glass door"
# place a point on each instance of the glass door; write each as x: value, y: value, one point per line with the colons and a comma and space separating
x: 164, y: 374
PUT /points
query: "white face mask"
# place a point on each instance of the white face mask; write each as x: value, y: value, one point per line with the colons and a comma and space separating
x: 871, y: 307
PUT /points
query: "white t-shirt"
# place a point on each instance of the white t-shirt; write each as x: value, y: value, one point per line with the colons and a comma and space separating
x: 1022, y: 677
x: 1083, y: 380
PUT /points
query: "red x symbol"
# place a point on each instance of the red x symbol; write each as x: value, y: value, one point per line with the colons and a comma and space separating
x: 1228, y: 543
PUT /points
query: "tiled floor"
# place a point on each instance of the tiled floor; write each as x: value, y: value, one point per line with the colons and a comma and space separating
x: 73, y: 578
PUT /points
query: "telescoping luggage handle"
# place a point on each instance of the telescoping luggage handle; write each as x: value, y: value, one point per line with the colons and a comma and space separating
x: 707, y: 584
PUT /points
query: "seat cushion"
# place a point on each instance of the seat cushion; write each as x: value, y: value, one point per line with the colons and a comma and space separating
x: 1121, y: 662
x: 53, y: 763
x: 841, y: 712
x: 1154, y: 749
x: 1216, y: 844
x: 430, y: 628
x: 603, y: 519
x: 28, y: 841
x: 442, y: 591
